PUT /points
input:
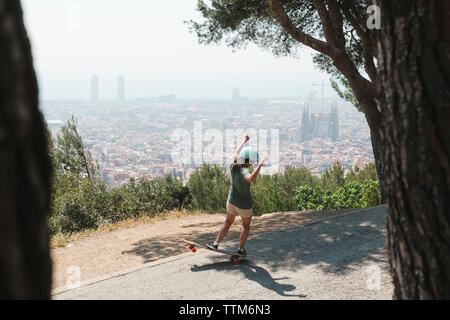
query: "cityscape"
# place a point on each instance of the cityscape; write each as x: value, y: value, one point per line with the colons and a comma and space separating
x: 131, y: 138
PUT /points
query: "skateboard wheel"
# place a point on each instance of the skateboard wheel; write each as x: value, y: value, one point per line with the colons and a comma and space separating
x: 194, y: 250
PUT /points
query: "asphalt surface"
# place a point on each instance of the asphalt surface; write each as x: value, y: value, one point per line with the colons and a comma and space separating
x: 340, y: 258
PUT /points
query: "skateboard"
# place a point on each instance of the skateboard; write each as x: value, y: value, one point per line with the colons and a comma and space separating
x: 191, y: 245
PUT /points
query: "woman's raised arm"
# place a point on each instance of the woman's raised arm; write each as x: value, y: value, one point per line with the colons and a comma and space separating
x: 239, y: 148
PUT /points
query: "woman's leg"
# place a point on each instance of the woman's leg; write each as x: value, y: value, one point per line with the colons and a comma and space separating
x: 225, y: 227
x: 245, y: 231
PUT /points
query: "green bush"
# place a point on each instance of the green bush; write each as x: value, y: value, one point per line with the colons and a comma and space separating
x: 333, y: 178
x: 208, y: 187
x: 357, y: 174
x: 309, y: 198
x: 371, y: 194
x: 268, y: 195
x: 355, y: 195
x: 79, y: 208
x: 349, y: 196
x: 146, y: 197
x: 276, y: 193
x: 81, y: 203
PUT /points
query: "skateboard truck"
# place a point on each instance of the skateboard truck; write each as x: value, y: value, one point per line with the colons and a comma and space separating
x: 192, y: 246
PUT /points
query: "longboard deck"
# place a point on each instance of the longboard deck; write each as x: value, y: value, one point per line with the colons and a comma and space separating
x: 233, y: 255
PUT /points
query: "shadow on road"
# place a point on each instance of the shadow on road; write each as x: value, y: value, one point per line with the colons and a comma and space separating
x: 156, y: 247
x: 333, y: 246
x: 252, y: 273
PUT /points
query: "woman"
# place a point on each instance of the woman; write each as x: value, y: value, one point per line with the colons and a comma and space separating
x: 239, y: 200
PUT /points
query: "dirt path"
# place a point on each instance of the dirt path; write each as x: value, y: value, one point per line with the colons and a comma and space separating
x: 130, y: 247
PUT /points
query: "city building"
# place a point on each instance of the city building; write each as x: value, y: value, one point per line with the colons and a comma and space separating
x: 323, y: 125
x: 106, y: 175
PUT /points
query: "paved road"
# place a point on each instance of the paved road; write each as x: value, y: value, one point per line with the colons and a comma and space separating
x: 341, y: 258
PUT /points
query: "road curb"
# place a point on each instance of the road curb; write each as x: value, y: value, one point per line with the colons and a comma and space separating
x: 116, y: 274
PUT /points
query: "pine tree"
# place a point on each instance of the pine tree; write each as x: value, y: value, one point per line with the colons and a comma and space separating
x: 415, y: 71
x: 71, y: 155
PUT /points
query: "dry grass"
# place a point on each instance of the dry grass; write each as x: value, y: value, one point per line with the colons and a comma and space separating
x: 62, y: 240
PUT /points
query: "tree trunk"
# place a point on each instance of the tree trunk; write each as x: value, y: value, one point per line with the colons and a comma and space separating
x: 25, y: 168
x: 373, y: 118
x: 377, y: 147
x: 414, y: 61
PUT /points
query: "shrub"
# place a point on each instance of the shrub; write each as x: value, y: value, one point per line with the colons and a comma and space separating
x: 146, y: 197
x: 357, y: 174
x: 371, y: 194
x: 209, y: 186
x: 333, y: 178
x: 290, y: 180
x: 79, y: 204
x: 268, y: 195
x: 309, y: 198
x: 276, y: 193
x: 355, y: 195
x: 349, y: 196
x: 79, y: 208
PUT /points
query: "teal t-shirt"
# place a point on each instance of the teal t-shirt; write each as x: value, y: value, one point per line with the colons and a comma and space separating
x: 239, y: 194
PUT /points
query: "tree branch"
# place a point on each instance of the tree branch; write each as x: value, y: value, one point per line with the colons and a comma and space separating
x: 337, y: 22
x: 327, y: 25
x: 340, y: 58
x: 367, y: 44
x: 352, y: 19
x: 296, y: 33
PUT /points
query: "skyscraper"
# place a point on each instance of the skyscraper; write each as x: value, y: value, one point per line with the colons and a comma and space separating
x: 94, y: 88
x: 121, y: 88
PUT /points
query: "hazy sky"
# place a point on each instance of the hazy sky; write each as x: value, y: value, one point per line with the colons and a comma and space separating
x: 147, y: 42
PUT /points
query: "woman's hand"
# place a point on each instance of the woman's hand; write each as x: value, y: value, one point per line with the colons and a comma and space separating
x: 262, y: 161
x: 252, y: 177
x: 239, y: 148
